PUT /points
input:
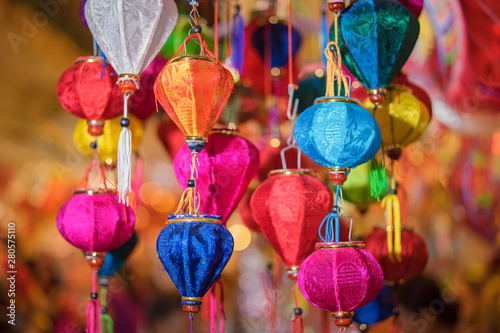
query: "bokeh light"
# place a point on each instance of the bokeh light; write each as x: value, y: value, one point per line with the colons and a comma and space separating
x: 242, y: 236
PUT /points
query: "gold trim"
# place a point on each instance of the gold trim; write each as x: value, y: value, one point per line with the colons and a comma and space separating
x: 89, y: 59
x: 336, y: 99
x: 293, y: 269
x: 195, y: 138
x: 90, y: 192
x: 354, y: 245
x: 129, y: 76
x: 336, y: 169
x: 192, y: 57
x: 89, y: 255
x: 343, y: 314
x: 95, y: 122
x: 226, y: 131
x: 192, y: 299
x: 288, y: 172
x: 194, y: 219
x: 377, y: 91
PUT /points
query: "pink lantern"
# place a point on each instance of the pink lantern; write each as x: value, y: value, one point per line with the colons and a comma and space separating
x: 340, y: 277
x: 226, y: 166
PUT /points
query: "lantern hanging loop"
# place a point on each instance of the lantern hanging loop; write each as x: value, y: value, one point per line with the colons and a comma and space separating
x: 334, y: 68
x: 195, y: 27
x: 331, y: 223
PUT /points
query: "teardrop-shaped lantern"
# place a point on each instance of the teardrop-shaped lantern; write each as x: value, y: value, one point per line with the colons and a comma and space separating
x: 225, y: 168
x: 89, y: 91
x: 289, y: 207
x: 376, y: 50
x: 194, y: 250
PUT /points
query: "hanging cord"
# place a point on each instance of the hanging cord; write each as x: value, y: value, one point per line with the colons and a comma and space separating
x: 393, y: 222
x: 193, y: 22
x: 334, y: 66
x: 214, y: 308
x: 106, y: 320
x: 190, y: 198
x: 93, y: 310
x: 297, y: 322
x: 216, y: 29
x: 331, y: 223
x: 191, y: 323
x: 324, y: 31
x: 378, y: 174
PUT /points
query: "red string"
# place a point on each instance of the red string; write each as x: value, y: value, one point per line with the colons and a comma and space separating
x: 297, y: 323
x: 102, y: 171
x: 216, y: 29
x: 290, y: 56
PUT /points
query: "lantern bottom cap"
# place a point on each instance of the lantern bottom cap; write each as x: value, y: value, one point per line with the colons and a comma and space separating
x: 343, y: 319
x: 95, y: 259
x: 292, y: 272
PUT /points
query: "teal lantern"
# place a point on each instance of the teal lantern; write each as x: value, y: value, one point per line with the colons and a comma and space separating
x: 376, y: 38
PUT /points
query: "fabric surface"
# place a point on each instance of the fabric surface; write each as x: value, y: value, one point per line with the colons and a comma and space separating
x: 194, y: 254
x: 107, y: 142
x: 131, y: 32
x: 414, y: 5
x: 377, y: 310
x: 401, y: 116
x: 289, y: 210
x: 357, y: 187
x: 337, y: 134
x: 193, y: 92
x: 275, y: 37
x: 95, y: 223
x: 142, y: 103
x: 376, y: 38
x: 89, y: 91
x: 413, y: 254
x: 340, y: 279
x: 226, y: 166
x: 116, y: 258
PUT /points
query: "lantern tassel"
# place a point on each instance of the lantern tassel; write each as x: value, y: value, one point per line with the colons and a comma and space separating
x: 297, y: 322
x: 238, y: 40
x: 93, y: 310
x: 378, y: 175
x: 124, y: 155
x: 190, y: 199
x: 332, y: 229
x: 393, y: 222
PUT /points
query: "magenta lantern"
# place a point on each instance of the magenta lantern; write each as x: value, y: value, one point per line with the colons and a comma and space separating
x: 226, y: 166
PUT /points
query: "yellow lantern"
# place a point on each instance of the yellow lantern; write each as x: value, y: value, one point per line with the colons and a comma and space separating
x: 401, y: 116
x: 107, y: 143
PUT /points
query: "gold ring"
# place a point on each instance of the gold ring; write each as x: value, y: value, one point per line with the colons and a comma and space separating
x: 129, y: 76
x: 354, y: 245
x: 192, y: 299
x: 336, y: 99
x: 343, y: 314
x: 287, y: 172
x: 194, y: 219
x: 192, y: 57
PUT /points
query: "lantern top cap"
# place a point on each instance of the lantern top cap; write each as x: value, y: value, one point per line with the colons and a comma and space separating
x: 288, y: 172
x: 194, y: 218
x: 193, y: 57
x: 336, y: 99
x: 88, y: 59
x: 91, y: 191
x: 226, y: 131
x: 339, y: 245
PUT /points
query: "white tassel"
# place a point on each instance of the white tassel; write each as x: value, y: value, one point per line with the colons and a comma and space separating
x: 124, y: 165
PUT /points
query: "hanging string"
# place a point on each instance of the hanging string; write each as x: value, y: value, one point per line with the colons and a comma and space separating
x: 93, y: 310
x: 378, y: 174
x: 331, y: 223
x: 189, y: 203
x: 297, y: 322
x: 214, y: 308
x: 191, y: 323
x: 393, y: 222
x: 334, y: 66
x: 216, y: 29
x: 106, y: 320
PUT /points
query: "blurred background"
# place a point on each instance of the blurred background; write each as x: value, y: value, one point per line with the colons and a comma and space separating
x: 450, y: 177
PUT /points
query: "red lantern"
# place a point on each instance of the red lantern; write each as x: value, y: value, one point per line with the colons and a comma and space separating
x: 89, y: 91
x: 246, y: 211
x: 224, y: 169
x: 340, y: 277
x: 413, y: 256
x: 289, y: 208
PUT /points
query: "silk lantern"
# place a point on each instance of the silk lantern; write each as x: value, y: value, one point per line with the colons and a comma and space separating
x: 414, y: 5
x: 386, y: 31
x: 107, y: 143
x: 143, y: 101
x: 399, y: 259
x: 402, y: 118
x: 193, y: 91
x: 130, y: 33
x: 194, y: 250
x: 225, y: 168
x: 381, y: 308
x: 340, y: 277
x: 89, y: 91
x: 288, y: 208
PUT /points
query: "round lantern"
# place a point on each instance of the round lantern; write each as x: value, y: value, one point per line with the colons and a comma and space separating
x: 401, y: 116
x: 245, y: 210
x: 194, y: 250
x: 388, y: 34
x: 94, y: 221
x: 89, y: 91
x: 338, y: 133
x: 340, y: 277
x: 107, y: 143
x: 193, y: 91
x: 408, y: 263
x: 381, y: 308
x: 289, y: 207
x: 142, y: 103
x: 225, y: 168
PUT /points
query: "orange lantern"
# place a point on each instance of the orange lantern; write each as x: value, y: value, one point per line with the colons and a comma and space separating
x: 193, y: 91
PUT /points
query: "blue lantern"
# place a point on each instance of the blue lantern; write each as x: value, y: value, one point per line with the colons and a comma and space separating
x: 337, y: 132
x: 115, y: 259
x: 381, y: 308
x: 194, y: 249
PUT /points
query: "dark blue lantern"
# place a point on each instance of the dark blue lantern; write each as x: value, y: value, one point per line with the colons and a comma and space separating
x: 381, y: 308
x: 115, y: 259
x: 275, y: 36
x: 194, y: 249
